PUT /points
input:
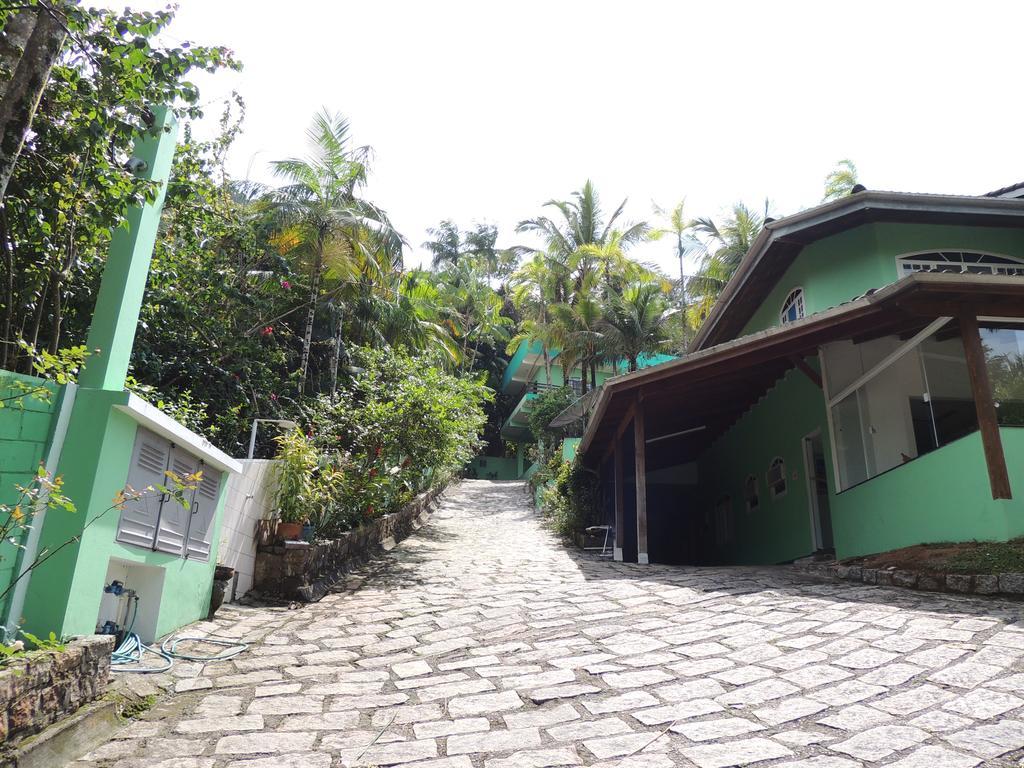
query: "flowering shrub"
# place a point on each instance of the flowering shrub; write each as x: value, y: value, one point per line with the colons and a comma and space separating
x: 400, y: 425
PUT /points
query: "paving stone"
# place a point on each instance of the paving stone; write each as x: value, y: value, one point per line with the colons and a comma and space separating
x: 624, y: 744
x: 758, y: 693
x: 881, y: 741
x: 542, y: 717
x: 913, y: 700
x: 287, y: 705
x: 441, y: 728
x: 539, y: 758
x: 493, y: 741
x: 966, y: 675
x: 265, y: 743
x: 578, y: 731
x: 721, y: 728
x: 734, y: 753
x: 228, y: 723
x: 794, y: 708
x: 679, y: 711
x: 302, y: 760
x: 990, y: 741
x: 932, y: 756
x: 328, y: 721
x: 485, y: 704
x: 821, y: 761
x: 396, y: 753
x: 571, y: 691
x: 856, y: 718
x: 938, y: 721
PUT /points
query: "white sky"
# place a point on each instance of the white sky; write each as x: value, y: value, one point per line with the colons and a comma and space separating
x: 483, y: 110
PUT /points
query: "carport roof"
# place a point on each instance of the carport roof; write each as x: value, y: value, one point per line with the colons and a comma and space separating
x: 704, y: 393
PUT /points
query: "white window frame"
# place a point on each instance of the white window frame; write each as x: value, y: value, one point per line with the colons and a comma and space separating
x: 794, y: 297
x: 907, y: 264
x: 785, y: 480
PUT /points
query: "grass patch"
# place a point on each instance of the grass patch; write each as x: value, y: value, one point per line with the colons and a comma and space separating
x: 986, y: 557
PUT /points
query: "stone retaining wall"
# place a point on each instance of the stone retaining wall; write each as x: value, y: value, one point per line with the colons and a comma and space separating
x: 43, y: 688
x: 963, y: 583
x: 300, y: 571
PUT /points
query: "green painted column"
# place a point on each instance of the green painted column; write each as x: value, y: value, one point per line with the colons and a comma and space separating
x: 124, y: 278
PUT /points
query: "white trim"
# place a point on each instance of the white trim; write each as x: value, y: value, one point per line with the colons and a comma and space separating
x: 800, y: 300
x: 617, y: 554
x: 812, y: 495
x: 911, y: 256
x: 159, y: 422
x: 886, y: 361
x: 642, y: 558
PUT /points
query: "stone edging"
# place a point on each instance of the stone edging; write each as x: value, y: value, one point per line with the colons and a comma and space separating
x: 962, y: 583
x: 306, y: 572
x: 44, y: 687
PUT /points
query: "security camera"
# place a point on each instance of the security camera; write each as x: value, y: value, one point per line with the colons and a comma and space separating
x: 136, y: 165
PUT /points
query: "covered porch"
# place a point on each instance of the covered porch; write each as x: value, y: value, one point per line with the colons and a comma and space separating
x: 867, y: 403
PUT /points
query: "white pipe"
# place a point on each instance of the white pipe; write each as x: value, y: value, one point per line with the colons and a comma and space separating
x: 60, y: 433
x: 676, y: 434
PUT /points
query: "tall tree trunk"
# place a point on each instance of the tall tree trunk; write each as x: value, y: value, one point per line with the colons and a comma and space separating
x: 25, y: 88
x: 7, y: 247
x: 307, y: 338
x: 13, y: 39
x: 336, y: 353
x: 547, y: 362
x: 593, y: 374
x: 56, y: 283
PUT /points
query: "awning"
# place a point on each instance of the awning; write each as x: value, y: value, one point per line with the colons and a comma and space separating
x: 691, y: 401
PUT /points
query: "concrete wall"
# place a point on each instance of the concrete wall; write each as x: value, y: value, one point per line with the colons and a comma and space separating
x: 25, y: 428
x: 250, y: 497
x: 503, y: 468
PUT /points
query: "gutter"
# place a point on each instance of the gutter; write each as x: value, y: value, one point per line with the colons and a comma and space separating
x: 31, y: 550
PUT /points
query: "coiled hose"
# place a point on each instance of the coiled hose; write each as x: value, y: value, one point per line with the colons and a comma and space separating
x: 132, y: 649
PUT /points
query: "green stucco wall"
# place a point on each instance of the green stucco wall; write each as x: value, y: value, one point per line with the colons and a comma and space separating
x: 65, y: 592
x: 941, y: 496
x: 501, y: 467
x: 26, y: 424
x: 840, y: 268
x: 781, y: 528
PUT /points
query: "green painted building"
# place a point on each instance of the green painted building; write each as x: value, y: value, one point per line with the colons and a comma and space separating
x: 102, y: 440
x: 532, y: 371
x: 858, y: 387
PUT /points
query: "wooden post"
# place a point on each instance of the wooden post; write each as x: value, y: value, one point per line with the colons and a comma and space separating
x: 620, y: 532
x: 640, y: 452
x: 988, y: 424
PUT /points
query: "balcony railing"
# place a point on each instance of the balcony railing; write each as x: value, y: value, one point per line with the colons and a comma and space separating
x: 536, y: 387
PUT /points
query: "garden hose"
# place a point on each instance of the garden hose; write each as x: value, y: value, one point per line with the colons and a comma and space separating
x: 131, y: 651
x: 233, y: 648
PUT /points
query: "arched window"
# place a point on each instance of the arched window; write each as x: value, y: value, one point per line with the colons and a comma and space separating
x: 751, y: 494
x: 776, y: 477
x: 960, y: 262
x: 793, y: 306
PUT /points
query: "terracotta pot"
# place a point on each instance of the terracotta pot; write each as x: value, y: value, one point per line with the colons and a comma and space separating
x: 289, y: 531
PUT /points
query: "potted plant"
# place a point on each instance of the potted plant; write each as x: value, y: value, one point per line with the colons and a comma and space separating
x: 296, y: 463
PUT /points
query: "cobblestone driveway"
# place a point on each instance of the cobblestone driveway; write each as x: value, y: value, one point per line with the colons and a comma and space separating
x: 482, y: 642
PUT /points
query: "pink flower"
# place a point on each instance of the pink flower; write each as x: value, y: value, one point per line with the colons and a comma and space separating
x: 273, y: 397
x: 267, y: 330
x: 286, y: 285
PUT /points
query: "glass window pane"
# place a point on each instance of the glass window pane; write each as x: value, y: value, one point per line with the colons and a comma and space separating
x: 849, y: 441
x: 1004, y: 354
x: 949, y: 387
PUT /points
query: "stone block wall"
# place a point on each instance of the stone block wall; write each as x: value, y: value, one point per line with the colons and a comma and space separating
x: 250, y: 499
x: 305, y: 572
x: 43, y: 688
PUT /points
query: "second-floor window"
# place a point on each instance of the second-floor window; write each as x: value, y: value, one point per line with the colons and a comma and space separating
x: 793, y: 306
x: 961, y: 262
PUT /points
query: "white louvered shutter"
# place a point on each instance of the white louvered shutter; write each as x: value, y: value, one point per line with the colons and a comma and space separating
x: 173, y: 526
x: 139, y: 517
x: 200, y: 528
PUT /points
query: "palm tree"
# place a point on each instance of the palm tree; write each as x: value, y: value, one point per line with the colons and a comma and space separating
x: 324, y: 222
x: 727, y: 244
x: 634, y: 323
x: 582, y: 224
x: 841, y: 181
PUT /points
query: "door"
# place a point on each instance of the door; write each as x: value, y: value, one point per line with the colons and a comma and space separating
x: 140, y: 515
x: 172, y: 529
x: 817, y: 492
x: 204, y: 505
